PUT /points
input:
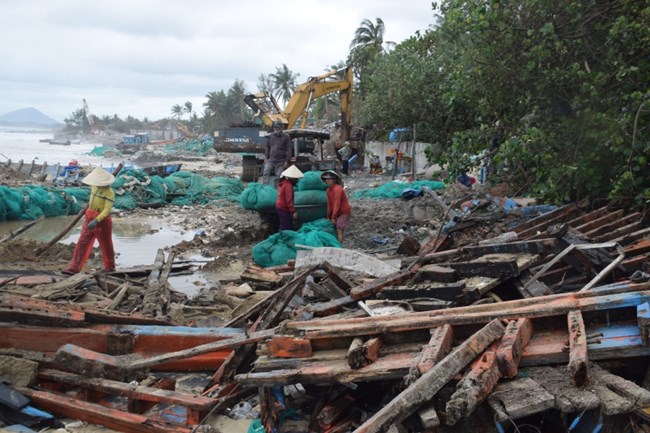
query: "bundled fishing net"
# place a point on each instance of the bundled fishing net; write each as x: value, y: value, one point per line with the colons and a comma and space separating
x: 394, y: 189
x: 281, y: 247
x: 133, y: 188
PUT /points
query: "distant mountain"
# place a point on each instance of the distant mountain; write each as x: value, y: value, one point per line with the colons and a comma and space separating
x: 27, y: 117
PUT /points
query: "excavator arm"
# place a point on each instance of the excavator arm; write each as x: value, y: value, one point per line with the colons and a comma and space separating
x: 265, y: 106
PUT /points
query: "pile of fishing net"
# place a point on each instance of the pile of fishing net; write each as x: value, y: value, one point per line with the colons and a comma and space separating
x: 104, y: 150
x: 395, y: 189
x: 310, y: 197
x: 199, y: 147
x: 281, y: 247
x: 133, y: 188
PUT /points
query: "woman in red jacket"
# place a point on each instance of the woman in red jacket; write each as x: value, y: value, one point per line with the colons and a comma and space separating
x: 338, y: 207
x: 284, y: 204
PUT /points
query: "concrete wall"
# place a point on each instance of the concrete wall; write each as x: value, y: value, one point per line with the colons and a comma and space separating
x: 382, y: 149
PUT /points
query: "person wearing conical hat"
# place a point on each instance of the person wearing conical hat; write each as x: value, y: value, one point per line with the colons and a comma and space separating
x: 97, y: 223
x: 338, y: 206
x: 284, y: 204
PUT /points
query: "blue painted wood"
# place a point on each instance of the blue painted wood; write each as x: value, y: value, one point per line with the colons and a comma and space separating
x: 617, y: 336
x: 180, y: 331
x: 643, y: 311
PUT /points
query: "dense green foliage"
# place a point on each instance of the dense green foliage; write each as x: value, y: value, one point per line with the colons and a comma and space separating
x: 568, y: 79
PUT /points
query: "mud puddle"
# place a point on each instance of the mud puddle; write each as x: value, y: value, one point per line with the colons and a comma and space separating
x: 136, y: 243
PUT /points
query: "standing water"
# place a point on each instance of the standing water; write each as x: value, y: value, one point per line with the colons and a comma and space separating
x: 136, y: 241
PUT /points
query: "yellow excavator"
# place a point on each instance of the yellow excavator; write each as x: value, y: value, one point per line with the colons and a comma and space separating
x: 267, y: 109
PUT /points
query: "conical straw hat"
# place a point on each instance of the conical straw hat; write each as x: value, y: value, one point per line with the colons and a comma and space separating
x: 293, y: 172
x: 99, y: 177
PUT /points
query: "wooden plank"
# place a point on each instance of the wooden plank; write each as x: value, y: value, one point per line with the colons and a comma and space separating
x: 289, y: 347
x: 475, y: 386
x: 436, y: 273
x: 633, y: 227
x: 138, y: 392
x: 93, y: 413
x: 617, y: 226
x: 439, y: 346
x: 611, y: 403
x: 578, y: 360
x: 427, y: 386
x: 541, y: 246
x: 535, y: 222
x: 441, y: 291
x: 505, y: 268
x: 643, y: 318
x: 323, y: 309
x: 371, y: 288
x: 516, y: 337
x: 389, y: 367
x: 126, y: 367
x: 625, y: 388
x: 568, y: 398
x: 475, y: 314
x: 341, y: 281
x: 514, y: 399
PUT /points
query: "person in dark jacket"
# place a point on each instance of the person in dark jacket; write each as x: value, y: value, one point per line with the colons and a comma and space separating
x: 338, y: 206
x: 97, y: 223
x: 279, y: 151
x: 284, y: 204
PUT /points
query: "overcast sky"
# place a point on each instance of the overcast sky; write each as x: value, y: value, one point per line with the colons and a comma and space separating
x: 141, y: 57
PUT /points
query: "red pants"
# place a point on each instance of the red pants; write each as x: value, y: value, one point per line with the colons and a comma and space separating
x: 103, y: 232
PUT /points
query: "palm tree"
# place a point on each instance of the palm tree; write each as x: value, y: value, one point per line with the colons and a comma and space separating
x: 187, y: 107
x: 216, y: 107
x: 284, y: 82
x: 369, y: 35
x: 177, y: 111
x: 265, y: 83
x: 236, y: 95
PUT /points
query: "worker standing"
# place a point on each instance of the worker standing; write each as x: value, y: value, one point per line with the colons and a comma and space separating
x: 277, y: 156
x: 338, y: 206
x: 284, y: 204
x: 345, y: 152
x: 97, y: 223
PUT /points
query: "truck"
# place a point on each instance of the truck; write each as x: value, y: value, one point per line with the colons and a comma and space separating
x: 252, y: 139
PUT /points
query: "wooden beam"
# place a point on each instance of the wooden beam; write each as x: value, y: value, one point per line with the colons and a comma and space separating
x: 568, y: 398
x: 93, y: 413
x: 426, y: 387
x: 578, y: 360
x: 475, y: 386
x: 518, y: 398
x: 373, y: 287
x: 126, y: 367
x: 289, y: 347
x: 474, y: 314
x: 517, y: 335
x: 438, y: 347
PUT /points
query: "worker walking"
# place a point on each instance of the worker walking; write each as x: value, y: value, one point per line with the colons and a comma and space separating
x: 97, y: 223
x: 338, y: 206
x: 277, y: 156
x: 284, y: 204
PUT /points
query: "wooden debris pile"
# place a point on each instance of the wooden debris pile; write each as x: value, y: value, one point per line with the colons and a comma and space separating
x: 553, y: 320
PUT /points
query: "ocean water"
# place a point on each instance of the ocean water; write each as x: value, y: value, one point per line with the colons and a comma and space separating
x: 18, y: 143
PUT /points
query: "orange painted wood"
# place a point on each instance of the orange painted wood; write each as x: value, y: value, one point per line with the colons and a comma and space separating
x: 205, y: 362
x: 289, y: 347
x: 439, y: 346
x: 475, y: 386
x: 578, y: 361
x: 372, y: 348
x: 517, y: 335
x: 49, y: 339
x: 96, y: 414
